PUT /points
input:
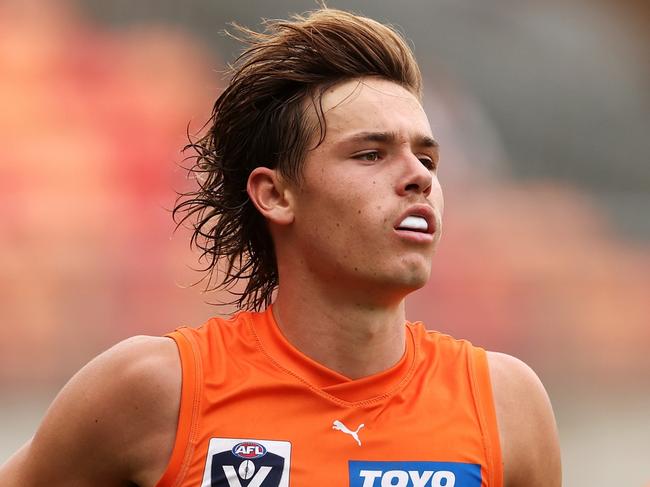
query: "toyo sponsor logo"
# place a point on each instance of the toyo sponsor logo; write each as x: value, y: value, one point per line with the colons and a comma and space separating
x: 414, y: 474
x: 249, y: 450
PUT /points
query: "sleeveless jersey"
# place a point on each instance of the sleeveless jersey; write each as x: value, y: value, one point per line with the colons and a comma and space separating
x: 256, y: 412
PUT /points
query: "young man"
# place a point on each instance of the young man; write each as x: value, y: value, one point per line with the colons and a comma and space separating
x: 317, y: 182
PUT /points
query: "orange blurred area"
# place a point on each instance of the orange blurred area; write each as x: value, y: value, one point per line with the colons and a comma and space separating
x: 91, y: 129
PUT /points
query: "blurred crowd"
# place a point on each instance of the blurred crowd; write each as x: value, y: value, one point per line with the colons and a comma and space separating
x: 92, y: 126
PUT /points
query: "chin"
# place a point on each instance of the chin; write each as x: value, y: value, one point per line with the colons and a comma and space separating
x: 411, y: 281
x: 416, y: 283
x: 417, y: 272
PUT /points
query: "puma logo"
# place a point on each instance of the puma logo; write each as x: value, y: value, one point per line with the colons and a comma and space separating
x: 337, y: 425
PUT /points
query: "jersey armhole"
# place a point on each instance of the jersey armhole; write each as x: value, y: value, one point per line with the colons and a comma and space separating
x: 186, y: 430
x: 487, y: 416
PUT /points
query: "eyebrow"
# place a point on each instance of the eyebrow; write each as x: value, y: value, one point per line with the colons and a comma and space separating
x: 388, y: 137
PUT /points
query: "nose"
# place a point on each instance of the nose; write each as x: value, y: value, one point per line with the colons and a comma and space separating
x: 415, y: 178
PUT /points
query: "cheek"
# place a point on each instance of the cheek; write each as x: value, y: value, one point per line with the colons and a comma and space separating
x: 347, y: 225
x: 344, y: 207
x: 331, y: 216
x: 337, y: 201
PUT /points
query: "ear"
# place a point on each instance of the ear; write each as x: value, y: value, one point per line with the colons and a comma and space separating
x: 268, y: 192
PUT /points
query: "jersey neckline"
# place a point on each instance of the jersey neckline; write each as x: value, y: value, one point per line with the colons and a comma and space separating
x: 328, y: 382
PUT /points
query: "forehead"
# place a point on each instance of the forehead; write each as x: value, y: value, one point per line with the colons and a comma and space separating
x: 370, y: 105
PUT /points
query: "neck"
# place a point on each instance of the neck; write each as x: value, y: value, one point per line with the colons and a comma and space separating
x: 350, y: 337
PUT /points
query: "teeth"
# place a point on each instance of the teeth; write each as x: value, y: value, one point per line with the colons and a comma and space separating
x: 414, y: 223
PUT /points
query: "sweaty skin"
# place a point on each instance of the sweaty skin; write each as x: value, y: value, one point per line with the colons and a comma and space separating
x: 343, y: 262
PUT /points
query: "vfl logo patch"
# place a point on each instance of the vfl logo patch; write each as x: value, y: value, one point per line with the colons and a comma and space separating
x: 414, y: 474
x: 239, y: 462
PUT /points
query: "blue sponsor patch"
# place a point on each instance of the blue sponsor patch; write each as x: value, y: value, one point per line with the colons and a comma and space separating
x: 414, y: 474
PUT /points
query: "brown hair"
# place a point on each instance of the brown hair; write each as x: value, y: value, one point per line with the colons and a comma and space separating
x: 264, y: 118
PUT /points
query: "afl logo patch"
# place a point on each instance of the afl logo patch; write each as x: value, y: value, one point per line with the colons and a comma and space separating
x: 249, y: 450
x: 247, y: 462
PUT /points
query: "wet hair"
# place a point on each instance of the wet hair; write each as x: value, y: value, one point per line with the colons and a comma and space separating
x: 265, y: 117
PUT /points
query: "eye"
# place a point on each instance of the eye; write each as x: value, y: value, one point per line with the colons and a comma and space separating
x: 371, y: 156
x: 429, y: 163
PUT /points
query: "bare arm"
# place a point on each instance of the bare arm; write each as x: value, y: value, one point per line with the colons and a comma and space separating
x: 529, y: 439
x: 113, y: 424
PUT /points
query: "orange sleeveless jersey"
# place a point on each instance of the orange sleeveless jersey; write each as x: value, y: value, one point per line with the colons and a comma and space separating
x: 255, y: 412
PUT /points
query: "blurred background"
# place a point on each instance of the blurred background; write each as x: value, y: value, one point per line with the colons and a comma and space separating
x: 542, y: 109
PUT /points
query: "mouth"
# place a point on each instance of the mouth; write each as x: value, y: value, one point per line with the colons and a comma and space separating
x: 417, y: 219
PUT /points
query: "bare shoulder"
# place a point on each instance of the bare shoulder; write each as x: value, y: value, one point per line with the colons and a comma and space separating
x: 529, y: 440
x: 114, y: 422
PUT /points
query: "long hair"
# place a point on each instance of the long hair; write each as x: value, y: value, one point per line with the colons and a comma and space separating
x: 264, y: 117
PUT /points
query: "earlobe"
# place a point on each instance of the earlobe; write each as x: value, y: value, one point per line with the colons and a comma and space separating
x: 268, y: 192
